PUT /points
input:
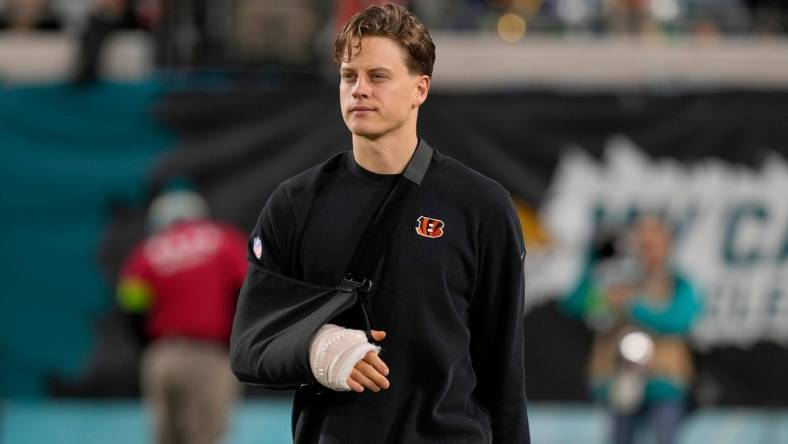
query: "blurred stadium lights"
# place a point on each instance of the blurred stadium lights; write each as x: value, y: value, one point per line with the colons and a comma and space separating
x: 511, y: 27
x: 573, y: 12
x: 664, y: 10
x: 586, y: 43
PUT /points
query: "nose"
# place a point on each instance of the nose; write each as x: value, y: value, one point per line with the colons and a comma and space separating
x: 360, y: 88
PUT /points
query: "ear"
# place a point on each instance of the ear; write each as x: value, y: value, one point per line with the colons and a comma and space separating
x: 422, y: 89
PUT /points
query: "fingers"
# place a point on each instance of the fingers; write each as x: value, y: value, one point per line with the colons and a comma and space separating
x: 362, y: 379
x: 374, y: 360
x: 354, y: 385
x: 378, y: 335
x: 369, y: 373
x: 373, y: 375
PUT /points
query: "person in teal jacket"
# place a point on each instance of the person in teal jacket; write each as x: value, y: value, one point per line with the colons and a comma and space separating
x: 637, y: 290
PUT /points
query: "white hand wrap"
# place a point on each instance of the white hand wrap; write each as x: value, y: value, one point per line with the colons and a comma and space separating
x: 334, y: 352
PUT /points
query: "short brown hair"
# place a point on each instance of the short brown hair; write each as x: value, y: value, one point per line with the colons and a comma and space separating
x: 392, y: 21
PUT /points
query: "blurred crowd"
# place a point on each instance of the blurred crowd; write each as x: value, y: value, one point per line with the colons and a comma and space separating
x: 599, y: 16
x: 297, y: 32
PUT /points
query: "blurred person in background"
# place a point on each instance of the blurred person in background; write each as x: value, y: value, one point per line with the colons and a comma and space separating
x: 105, y: 18
x: 183, y: 280
x: 642, y: 310
x: 277, y: 33
x: 198, y: 33
x: 29, y: 15
x: 450, y: 296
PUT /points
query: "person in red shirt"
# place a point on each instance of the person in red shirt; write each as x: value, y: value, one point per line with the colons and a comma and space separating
x: 185, y: 278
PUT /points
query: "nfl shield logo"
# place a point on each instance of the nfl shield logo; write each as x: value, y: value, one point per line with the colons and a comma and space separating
x: 258, y: 247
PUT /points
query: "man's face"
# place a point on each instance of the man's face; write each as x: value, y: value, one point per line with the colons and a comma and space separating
x: 377, y: 92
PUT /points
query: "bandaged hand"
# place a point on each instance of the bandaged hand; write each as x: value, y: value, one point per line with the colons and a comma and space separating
x: 342, y: 359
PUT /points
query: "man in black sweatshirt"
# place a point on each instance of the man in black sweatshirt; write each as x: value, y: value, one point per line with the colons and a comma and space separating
x: 448, y: 297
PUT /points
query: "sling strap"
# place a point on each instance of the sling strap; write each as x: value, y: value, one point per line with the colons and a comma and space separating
x: 376, y: 236
x: 373, y: 242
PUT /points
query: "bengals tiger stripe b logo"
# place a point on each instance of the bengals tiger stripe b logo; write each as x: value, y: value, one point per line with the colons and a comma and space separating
x: 429, y: 227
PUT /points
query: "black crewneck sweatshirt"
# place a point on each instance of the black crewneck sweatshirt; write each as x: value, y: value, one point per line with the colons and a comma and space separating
x: 449, y: 294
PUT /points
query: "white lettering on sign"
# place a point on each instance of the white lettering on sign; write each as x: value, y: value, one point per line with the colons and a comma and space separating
x: 731, y: 237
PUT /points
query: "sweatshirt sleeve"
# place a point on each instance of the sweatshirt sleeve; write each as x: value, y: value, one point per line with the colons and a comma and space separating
x: 496, y: 326
x: 271, y: 241
x: 261, y: 349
